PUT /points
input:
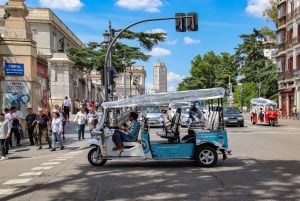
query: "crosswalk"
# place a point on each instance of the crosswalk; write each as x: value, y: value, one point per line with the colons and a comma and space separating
x: 8, y: 188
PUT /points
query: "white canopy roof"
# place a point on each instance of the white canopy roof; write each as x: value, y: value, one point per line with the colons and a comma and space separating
x: 261, y: 101
x: 168, y: 97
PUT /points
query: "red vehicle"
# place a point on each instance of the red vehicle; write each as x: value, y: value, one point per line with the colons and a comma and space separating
x: 264, y: 111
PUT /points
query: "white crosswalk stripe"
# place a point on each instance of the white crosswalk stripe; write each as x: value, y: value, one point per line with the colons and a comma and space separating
x: 51, y: 163
x: 30, y: 174
x: 17, y: 181
x: 42, y: 168
x: 7, y: 191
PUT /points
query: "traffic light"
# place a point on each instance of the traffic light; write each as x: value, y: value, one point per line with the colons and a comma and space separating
x: 180, y: 22
x: 192, y: 22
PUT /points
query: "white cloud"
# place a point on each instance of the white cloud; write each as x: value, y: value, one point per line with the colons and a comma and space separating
x: 158, y: 30
x: 67, y: 5
x: 147, y: 5
x: 189, y: 41
x: 172, y: 42
x: 158, y: 51
x: 256, y: 7
x: 173, y: 80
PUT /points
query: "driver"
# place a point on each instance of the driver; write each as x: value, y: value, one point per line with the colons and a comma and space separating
x: 130, y: 134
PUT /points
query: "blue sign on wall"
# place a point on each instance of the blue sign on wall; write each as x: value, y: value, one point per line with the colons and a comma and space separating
x: 14, y: 69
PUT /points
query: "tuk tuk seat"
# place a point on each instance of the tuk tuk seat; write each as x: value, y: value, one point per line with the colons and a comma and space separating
x: 171, y: 131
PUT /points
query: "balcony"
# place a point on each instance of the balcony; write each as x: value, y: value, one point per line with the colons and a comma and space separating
x: 296, y: 12
x: 289, y: 74
x: 289, y: 16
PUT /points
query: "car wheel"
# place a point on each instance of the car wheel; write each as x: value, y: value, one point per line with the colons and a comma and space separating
x: 206, y: 156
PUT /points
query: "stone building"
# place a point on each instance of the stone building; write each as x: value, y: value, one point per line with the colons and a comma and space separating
x: 130, y: 83
x: 50, y: 67
x: 288, y: 57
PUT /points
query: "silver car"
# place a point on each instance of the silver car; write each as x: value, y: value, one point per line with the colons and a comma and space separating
x: 154, y: 115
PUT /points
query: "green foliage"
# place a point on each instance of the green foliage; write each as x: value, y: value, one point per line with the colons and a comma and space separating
x: 271, y: 12
x: 255, y: 67
x: 92, y: 56
x: 211, y: 70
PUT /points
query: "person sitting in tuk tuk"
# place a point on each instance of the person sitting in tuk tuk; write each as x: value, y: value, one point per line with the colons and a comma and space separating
x: 261, y: 113
x: 129, y: 133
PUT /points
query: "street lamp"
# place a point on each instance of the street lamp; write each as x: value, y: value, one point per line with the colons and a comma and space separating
x: 125, y: 78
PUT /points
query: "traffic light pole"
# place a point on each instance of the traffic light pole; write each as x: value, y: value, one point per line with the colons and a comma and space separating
x: 111, y: 44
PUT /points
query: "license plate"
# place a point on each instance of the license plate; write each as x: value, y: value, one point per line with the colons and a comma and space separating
x: 232, y: 121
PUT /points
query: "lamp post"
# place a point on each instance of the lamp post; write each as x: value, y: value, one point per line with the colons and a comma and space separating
x: 108, y: 38
x: 125, y: 78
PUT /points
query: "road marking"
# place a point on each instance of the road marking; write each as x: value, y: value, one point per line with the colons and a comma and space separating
x: 42, y: 168
x: 30, y: 174
x: 59, y: 159
x: 17, y: 181
x: 74, y: 152
x: 7, y: 191
x: 51, y: 163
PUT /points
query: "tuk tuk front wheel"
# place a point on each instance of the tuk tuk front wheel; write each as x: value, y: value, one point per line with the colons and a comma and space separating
x: 206, y: 156
x: 96, y: 158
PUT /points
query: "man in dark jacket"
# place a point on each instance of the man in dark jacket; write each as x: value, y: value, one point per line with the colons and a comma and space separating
x: 30, y: 118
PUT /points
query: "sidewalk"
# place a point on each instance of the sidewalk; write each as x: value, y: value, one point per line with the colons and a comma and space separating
x: 71, y: 142
x: 281, y: 122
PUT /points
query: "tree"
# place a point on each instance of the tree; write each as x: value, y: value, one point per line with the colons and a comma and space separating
x: 271, y: 12
x: 211, y: 70
x: 92, y: 56
x: 255, y: 67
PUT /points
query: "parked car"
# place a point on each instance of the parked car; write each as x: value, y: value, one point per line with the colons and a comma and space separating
x: 173, y: 107
x: 232, y: 116
x: 154, y: 115
x: 185, y: 113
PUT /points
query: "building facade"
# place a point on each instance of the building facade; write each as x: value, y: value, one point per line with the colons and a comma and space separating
x: 159, y: 77
x: 288, y: 56
x: 51, y: 38
x: 131, y: 82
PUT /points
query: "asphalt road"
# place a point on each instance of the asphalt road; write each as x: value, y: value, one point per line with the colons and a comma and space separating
x: 264, y: 166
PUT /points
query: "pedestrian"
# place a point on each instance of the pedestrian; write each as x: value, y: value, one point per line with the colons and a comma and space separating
x: 44, y: 126
x: 30, y: 118
x: 66, y: 105
x: 13, y: 126
x: 4, y: 135
x: 57, y: 128
x: 81, y: 120
x: 92, y: 119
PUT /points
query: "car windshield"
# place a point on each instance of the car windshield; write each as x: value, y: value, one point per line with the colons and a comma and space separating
x: 230, y: 110
x: 185, y: 110
x: 179, y: 105
x: 151, y: 109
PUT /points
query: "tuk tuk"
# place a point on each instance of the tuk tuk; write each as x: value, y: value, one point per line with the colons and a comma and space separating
x: 202, y: 144
x: 263, y: 111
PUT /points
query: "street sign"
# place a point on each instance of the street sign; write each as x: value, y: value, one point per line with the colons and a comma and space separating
x: 14, y: 69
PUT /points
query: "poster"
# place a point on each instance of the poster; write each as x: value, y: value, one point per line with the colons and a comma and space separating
x: 16, y: 93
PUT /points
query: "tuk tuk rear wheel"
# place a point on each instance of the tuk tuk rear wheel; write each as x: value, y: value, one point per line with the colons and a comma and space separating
x: 95, y: 158
x: 206, y: 156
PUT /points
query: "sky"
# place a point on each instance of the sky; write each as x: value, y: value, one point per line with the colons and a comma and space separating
x: 220, y: 25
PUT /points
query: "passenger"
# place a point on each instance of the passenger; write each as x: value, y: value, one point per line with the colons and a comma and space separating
x: 130, y: 133
x: 194, y: 115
